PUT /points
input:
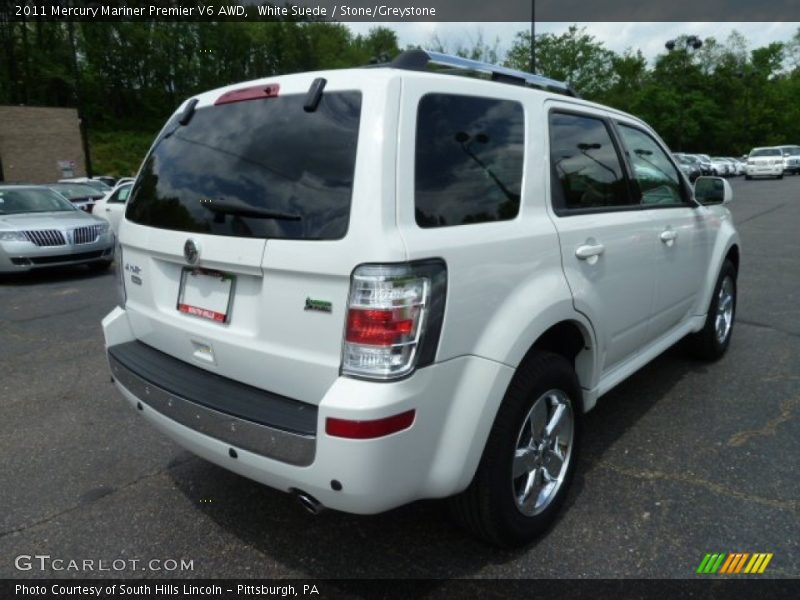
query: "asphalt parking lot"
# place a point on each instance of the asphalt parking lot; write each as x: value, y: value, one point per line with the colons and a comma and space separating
x: 682, y: 459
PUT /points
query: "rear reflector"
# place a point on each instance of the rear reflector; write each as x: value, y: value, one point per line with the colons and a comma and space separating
x: 249, y: 93
x: 364, y: 430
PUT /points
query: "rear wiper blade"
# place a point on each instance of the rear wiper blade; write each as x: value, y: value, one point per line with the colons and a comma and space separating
x: 221, y: 205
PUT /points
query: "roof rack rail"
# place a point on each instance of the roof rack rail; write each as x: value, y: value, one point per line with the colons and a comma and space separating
x: 418, y: 60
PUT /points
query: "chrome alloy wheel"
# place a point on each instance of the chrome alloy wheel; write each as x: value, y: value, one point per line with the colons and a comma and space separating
x: 542, y: 452
x: 724, y: 318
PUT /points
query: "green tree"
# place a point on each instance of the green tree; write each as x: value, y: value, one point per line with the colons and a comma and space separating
x: 475, y: 48
x: 630, y: 75
x: 379, y: 45
x: 575, y: 56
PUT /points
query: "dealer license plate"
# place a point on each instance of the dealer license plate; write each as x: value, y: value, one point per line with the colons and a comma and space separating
x: 206, y: 294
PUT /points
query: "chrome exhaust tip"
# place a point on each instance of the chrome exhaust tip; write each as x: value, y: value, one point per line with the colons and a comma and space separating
x: 308, y: 502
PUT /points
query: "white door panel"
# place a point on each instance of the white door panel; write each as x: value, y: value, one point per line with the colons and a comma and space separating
x: 113, y: 214
x: 112, y: 207
x: 681, y: 262
x: 615, y: 287
x: 681, y: 236
x: 607, y: 242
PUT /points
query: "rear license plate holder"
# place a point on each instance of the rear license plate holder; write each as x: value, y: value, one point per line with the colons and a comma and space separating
x: 206, y: 293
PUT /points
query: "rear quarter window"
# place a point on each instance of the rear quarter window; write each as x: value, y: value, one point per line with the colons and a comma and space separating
x: 468, y: 162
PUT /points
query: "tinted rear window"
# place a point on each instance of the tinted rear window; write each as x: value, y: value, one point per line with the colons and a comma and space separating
x: 469, y: 156
x: 266, y: 155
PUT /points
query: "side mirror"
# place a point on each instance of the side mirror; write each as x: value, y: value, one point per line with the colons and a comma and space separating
x: 712, y: 190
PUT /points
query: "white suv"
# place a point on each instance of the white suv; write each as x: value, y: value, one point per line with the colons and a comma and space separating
x: 791, y: 159
x: 764, y: 162
x: 376, y: 285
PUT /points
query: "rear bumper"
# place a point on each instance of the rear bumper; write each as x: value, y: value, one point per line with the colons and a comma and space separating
x: 454, y: 404
x: 268, y: 425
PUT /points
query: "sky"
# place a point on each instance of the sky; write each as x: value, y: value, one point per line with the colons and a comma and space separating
x: 649, y: 37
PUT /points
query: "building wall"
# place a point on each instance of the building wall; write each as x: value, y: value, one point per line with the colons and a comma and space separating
x: 34, y: 140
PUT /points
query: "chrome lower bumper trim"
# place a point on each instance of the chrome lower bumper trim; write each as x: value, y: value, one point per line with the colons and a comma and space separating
x: 285, y: 446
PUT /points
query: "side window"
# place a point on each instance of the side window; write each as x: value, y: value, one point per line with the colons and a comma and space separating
x: 586, y: 168
x: 657, y: 177
x: 121, y: 195
x: 469, y: 156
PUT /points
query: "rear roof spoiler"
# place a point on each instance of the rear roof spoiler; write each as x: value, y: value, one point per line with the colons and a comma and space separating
x: 418, y: 60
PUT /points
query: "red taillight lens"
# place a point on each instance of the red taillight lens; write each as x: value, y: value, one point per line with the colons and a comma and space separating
x: 364, y: 430
x: 377, y: 327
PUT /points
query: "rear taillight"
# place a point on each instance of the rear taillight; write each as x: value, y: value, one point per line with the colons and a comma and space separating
x: 394, y: 318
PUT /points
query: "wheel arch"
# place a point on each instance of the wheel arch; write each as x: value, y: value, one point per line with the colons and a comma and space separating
x: 727, y: 247
x: 733, y: 256
x: 573, y: 340
x: 571, y: 336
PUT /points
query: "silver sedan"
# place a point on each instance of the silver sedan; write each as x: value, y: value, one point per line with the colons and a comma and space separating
x: 39, y: 228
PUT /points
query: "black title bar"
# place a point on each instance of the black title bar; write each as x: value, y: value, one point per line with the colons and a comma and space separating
x: 406, y: 10
x: 389, y: 589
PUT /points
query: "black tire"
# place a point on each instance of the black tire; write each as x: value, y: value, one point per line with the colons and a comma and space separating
x: 488, y: 507
x: 780, y: 176
x: 100, y: 266
x: 747, y: 177
x: 706, y: 343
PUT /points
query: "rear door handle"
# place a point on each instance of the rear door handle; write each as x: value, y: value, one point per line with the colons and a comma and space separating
x: 588, y: 251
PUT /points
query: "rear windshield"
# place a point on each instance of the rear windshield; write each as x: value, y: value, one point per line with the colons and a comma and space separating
x: 261, y: 168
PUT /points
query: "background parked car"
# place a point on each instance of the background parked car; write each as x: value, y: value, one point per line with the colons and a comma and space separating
x: 723, y: 167
x: 96, y: 183
x: 765, y: 162
x: 713, y: 168
x: 791, y: 159
x: 81, y: 195
x: 107, y: 179
x: 40, y: 228
x: 737, y: 164
x: 112, y: 206
x: 691, y: 168
x: 704, y: 166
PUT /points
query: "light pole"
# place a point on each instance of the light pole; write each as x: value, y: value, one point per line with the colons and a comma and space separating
x: 690, y: 43
x: 533, y: 36
x: 79, y: 101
